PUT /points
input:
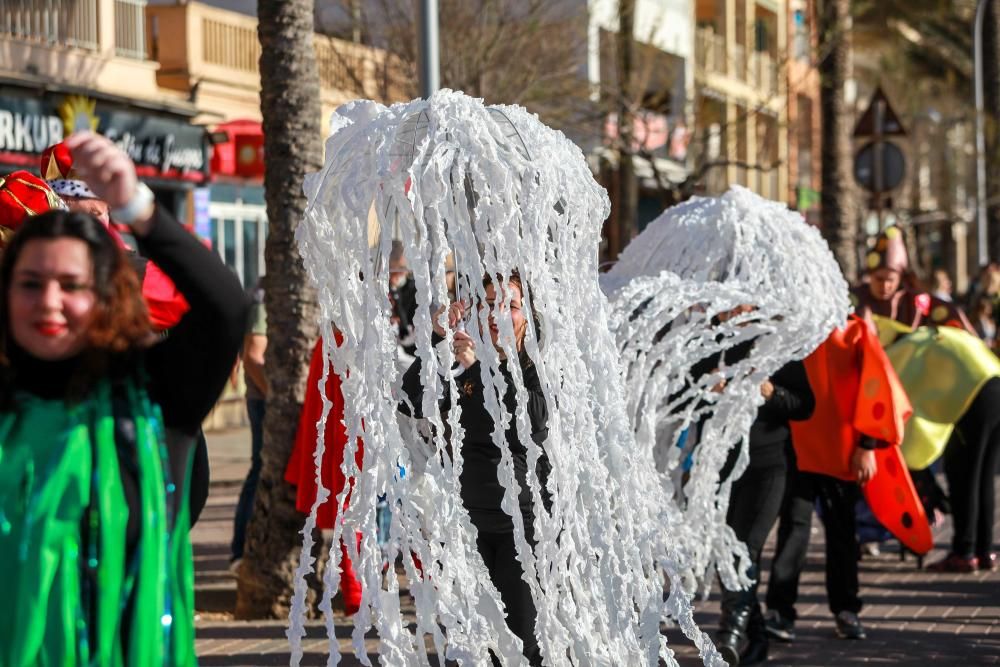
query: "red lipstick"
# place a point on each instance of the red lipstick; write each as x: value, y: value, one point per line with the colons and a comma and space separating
x: 50, y: 329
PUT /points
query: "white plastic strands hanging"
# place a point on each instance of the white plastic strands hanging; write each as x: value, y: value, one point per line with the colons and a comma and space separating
x: 709, y: 301
x: 504, y: 193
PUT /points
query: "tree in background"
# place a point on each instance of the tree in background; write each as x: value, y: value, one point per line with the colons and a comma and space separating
x: 290, y: 107
x: 838, y: 199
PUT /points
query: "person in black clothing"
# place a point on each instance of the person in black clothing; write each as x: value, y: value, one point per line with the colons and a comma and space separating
x: 481, y: 489
x: 754, y: 505
x: 75, y: 340
x: 837, y: 499
x: 971, y: 462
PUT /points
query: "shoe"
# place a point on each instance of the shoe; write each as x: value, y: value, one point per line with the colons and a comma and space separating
x: 849, y: 626
x: 779, y: 627
x: 871, y: 549
x: 755, y: 652
x: 732, y: 630
x: 234, y: 566
x: 987, y: 562
x: 954, y: 563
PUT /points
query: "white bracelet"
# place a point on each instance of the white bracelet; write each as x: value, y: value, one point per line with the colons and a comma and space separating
x: 137, y: 207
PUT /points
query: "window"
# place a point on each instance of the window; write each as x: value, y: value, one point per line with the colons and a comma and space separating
x: 238, y: 229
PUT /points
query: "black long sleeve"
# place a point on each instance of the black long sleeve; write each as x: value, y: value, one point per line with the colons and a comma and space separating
x: 793, y: 398
x: 189, y: 368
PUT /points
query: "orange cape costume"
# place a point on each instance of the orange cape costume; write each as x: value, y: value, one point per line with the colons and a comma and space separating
x: 859, y: 394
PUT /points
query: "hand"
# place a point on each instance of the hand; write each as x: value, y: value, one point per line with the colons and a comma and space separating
x: 456, y: 312
x: 767, y: 390
x: 106, y: 169
x: 719, y: 386
x: 465, y: 349
x: 863, y: 464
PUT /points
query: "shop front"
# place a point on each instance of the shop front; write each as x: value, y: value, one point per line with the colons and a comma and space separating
x: 171, y: 155
x: 232, y: 214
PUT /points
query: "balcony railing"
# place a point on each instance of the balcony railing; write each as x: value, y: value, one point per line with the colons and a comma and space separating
x: 757, y: 69
x: 230, y: 45
x: 51, y: 22
x: 710, y: 50
x: 130, y: 28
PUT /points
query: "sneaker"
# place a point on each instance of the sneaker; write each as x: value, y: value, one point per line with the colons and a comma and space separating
x: 871, y: 549
x: 987, y: 562
x: 955, y: 563
x: 779, y: 627
x: 234, y: 566
x: 849, y: 626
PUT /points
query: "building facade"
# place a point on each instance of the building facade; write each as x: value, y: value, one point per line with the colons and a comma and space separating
x: 741, y: 97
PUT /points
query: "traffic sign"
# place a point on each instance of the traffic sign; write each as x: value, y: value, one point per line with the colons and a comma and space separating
x: 867, y: 125
x: 893, y: 166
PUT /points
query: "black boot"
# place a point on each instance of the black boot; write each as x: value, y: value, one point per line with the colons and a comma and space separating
x: 736, y: 607
x: 755, y: 652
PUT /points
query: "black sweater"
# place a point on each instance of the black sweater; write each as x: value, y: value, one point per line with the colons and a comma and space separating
x: 481, y: 489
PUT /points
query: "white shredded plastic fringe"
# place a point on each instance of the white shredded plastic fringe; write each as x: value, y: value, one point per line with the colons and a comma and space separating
x: 698, y: 260
x: 504, y: 193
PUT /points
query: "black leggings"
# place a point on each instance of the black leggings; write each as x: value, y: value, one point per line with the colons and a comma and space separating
x: 753, y: 509
x: 970, y: 463
x: 500, y: 555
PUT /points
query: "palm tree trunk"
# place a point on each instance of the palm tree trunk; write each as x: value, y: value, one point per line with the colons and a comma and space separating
x: 290, y: 107
x: 991, y: 99
x: 838, y: 197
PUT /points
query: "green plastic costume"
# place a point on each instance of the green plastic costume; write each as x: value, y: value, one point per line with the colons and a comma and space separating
x: 69, y: 582
x: 942, y: 370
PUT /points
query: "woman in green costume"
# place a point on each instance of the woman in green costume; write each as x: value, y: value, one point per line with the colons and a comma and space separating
x: 97, y: 417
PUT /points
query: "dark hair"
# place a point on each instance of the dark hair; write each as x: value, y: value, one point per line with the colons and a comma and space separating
x: 121, y: 322
x: 515, y: 279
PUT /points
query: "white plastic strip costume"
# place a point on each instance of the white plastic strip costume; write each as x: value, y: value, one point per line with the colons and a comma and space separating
x: 504, y: 193
x: 694, y: 364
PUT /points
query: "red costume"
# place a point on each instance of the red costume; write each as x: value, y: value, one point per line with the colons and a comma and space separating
x: 301, y: 469
x: 23, y: 195
x: 859, y: 394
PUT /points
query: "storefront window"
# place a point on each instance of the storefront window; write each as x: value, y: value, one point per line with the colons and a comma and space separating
x: 229, y: 243
x: 238, y: 229
x: 251, y: 250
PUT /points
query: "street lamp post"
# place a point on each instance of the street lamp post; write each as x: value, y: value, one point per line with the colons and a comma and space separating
x: 977, y: 37
x: 428, y: 46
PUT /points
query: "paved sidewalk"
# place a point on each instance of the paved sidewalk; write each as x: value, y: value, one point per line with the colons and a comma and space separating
x: 914, y: 618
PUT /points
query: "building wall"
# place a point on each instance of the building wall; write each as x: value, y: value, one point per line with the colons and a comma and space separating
x: 804, y: 140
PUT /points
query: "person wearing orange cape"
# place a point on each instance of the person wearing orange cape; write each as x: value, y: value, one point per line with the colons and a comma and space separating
x: 852, y: 438
x: 953, y: 382
x: 301, y: 469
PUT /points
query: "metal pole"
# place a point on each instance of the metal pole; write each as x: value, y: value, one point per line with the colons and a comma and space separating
x: 427, y: 45
x: 982, y: 240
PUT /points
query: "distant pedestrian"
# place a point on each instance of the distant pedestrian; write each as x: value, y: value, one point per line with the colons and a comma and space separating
x: 983, y: 321
x: 941, y: 285
x: 254, y: 347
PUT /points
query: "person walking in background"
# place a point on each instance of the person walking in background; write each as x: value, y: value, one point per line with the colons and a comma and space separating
x: 254, y: 347
x: 941, y: 285
x: 984, y: 322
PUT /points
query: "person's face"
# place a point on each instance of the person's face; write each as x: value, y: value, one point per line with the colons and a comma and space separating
x: 741, y: 309
x: 398, y: 273
x: 883, y: 283
x: 51, y: 298
x: 95, y: 207
x: 497, y: 307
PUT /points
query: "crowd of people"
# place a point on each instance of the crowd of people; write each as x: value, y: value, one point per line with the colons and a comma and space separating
x: 115, y: 344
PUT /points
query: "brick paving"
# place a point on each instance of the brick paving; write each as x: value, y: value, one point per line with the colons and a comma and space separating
x: 914, y: 618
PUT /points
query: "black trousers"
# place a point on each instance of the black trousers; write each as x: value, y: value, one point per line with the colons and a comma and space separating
x: 970, y: 464
x: 753, y: 508
x: 500, y: 555
x: 836, y: 500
